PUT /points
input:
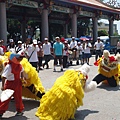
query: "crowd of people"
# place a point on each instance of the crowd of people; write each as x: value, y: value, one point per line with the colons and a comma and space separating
x: 39, y: 53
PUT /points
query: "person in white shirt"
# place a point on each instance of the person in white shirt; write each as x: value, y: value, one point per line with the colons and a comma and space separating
x: 87, y: 53
x: 98, y: 46
x: 65, y: 54
x: 47, y: 48
x: 33, y: 50
x: 19, y: 46
x: 73, y: 46
x: 11, y: 47
x: 118, y: 47
x: 40, y: 55
x: 80, y: 52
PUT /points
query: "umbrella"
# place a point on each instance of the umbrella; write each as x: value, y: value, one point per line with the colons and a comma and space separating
x: 6, y: 94
x: 84, y: 38
x: 69, y: 39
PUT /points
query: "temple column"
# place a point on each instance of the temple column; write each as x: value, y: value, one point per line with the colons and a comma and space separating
x: 45, y: 29
x: 74, y: 25
x: 3, y: 22
x: 95, y: 29
x: 111, y: 27
x: 65, y: 30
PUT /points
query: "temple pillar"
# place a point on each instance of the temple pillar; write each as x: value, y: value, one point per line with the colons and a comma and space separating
x: 23, y: 30
x: 65, y: 30
x: 44, y: 28
x: 111, y: 27
x: 3, y: 22
x: 74, y: 25
x: 95, y: 29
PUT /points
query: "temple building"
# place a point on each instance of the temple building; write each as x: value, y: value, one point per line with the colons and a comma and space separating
x: 57, y: 12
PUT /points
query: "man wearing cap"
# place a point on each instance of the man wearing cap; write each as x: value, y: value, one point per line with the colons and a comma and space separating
x: 73, y: 47
x: 87, y: 53
x: 58, y: 53
x: 11, y: 47
x: 33, y: 53
x: 47, y: 48
x: 98, y: 46
x: 66, y: 54
x: 11, y: 80
x: 19, y: 46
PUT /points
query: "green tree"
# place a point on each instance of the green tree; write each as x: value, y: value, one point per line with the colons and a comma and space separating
x: 102, y: 33
x: 13, y: 27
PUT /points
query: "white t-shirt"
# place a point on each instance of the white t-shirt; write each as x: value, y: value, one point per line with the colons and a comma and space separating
x: 118, y: 45
x: 47, y: 48
x: 34, y: 56
x: 80, y: 49
x: 1, y: 51
x: 98, y: 45
x: 87, y: 47
x: 7, y: 73
x: 73, y: 44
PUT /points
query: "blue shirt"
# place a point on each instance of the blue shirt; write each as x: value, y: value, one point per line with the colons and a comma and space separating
x: 58, y: 48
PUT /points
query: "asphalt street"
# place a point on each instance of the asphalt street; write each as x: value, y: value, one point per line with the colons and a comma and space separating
x: 100, y: 104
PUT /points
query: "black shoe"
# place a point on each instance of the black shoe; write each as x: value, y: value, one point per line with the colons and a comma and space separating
x: 77, y: 63
x: 70, y: 62
x: 43, y: 65
x: 19, y: 113
x: 47, y: 67
x: 1, y: 115
x: 61, y: 69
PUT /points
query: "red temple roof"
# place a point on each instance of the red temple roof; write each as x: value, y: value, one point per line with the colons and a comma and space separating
x: 96, y: 4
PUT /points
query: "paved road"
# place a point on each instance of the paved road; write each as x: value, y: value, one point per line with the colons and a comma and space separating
x: 101, y: 104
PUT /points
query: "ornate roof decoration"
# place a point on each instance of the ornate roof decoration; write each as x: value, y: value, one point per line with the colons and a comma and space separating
x: 97, y: 4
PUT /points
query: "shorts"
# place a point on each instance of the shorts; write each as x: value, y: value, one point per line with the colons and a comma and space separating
x: 87, y: 55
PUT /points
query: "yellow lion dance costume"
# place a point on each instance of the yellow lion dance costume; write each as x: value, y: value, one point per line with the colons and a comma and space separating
x: 66, y: 95
x: 109, y: 69
x: 32, y: 88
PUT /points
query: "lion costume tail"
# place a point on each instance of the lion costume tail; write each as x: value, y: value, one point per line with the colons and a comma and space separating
x: 33, y: 88
x: 62, y: 100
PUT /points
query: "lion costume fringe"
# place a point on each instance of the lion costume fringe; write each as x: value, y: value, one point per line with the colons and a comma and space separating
x: 108, y: 68
x: 33, y: 87
x: 66, y: 95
